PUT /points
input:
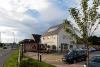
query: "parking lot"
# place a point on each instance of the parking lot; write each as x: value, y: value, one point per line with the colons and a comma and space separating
x: 56, y: 59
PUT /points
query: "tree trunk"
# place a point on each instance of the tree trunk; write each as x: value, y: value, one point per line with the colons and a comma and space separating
x: 87, y: 55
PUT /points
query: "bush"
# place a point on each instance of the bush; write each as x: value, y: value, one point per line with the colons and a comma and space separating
x: 28, y: 62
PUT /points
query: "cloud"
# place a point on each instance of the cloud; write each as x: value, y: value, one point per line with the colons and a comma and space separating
x: 23, y: 5
x: 51, y: 14
x: 26, y: 17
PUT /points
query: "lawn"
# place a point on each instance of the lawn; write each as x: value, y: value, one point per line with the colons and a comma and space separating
x: 0, y: 48
x: 26, y: 62
x: 13, y: 60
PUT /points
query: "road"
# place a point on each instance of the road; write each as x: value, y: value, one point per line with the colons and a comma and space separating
x: 4, y: 55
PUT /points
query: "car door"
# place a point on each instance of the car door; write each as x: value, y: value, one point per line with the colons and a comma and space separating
x: 77, y: 56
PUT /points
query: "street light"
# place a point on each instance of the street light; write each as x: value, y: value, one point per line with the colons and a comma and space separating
x: 13, y: 32
x: 14, y: 36
x: 0, y: 38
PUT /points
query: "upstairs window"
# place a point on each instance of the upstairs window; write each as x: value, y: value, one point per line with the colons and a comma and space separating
x: 48, y: 37
x: 53, y: 29
x: 64, y: 36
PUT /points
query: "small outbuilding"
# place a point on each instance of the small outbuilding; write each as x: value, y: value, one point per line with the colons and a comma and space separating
x: 32, y: 43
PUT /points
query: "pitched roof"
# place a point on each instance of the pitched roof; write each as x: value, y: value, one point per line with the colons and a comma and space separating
x: 53, y: 30
x: 36, y: 37
x: 28, y: 41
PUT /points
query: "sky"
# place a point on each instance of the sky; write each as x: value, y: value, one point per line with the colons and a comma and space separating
x: 21, y: 18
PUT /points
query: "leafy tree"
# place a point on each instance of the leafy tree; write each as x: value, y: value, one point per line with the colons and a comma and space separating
x: 94, y: 40
x: 1, y: 44
x: 98, y: 40
x: 87, y: 22
x: 20, y: 42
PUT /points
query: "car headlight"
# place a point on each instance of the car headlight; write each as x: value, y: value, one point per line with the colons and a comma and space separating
x: 84, y: 65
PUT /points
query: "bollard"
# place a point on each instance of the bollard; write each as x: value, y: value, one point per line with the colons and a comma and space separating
x: 40, y: 57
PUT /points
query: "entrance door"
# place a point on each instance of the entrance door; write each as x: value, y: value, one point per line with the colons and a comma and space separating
x: 64, y: 47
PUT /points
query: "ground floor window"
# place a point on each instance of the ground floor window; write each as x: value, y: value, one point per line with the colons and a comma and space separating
x: 71, y: 46
x: 53, y: 47
x: 64, y: 46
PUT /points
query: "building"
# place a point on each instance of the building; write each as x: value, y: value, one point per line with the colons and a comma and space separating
x: 56, y: 38
x: 32, y: 43
x: 35, y: 37
x: 8, y: 45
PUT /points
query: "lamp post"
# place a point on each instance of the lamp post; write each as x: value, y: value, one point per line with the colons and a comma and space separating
x: 14, y: 36
x: 0, y: 38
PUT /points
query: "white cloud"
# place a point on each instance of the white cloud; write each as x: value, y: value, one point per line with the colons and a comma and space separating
x: 51, y: 14
x: 14, y: 18
x: 5, y: 4
x: 23, y: 5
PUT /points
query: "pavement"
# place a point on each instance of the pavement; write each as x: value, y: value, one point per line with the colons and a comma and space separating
x: 4, y: 55
x: 56, y: 59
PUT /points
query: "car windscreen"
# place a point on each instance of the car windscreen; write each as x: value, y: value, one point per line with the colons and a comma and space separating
x: 95, y: 59
x: 72, y: 52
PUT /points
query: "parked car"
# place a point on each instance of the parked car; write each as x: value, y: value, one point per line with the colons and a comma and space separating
x: 74, y: 56
x: 94, y: 62
x: 4, y: 47
x: 92, y: 49
x: 97, y: 48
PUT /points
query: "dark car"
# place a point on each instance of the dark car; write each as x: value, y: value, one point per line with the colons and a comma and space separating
x: 94, y: 62
x: 74, y: 56
x: 4, y: 47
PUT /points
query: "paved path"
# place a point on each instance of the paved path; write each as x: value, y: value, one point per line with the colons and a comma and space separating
x: 4, y: 55
x: 54, y: 59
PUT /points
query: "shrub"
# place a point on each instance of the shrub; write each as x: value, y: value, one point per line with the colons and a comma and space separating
x: 28, y: 62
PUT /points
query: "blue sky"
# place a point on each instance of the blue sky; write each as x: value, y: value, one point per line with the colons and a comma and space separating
x: 26, y: 17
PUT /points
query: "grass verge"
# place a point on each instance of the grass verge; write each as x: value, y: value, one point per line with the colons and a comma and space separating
x: 0, y: 48
x: 13, y: 60
x: 28, y: 62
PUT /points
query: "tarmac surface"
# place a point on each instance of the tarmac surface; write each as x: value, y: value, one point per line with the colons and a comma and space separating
x: 4, y: 55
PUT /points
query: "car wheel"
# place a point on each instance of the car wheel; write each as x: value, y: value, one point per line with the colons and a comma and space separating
x: 74, y: 61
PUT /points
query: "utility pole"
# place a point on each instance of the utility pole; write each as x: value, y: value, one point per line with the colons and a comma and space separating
x: 14, y: 36
x: 0, y: 38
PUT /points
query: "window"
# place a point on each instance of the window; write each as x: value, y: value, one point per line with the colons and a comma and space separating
x: 65, y: 47
x: 54, y: 37
x: 43, y: 38
x: 64, y: 36
x: 53, y: 29
x: 71, y: 46
x: 48, y: 37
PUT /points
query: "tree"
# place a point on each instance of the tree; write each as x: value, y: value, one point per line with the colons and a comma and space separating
x: 93, y: 40
x: 87, y: 22
x: 20, y: 42
x: 1, y: 44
